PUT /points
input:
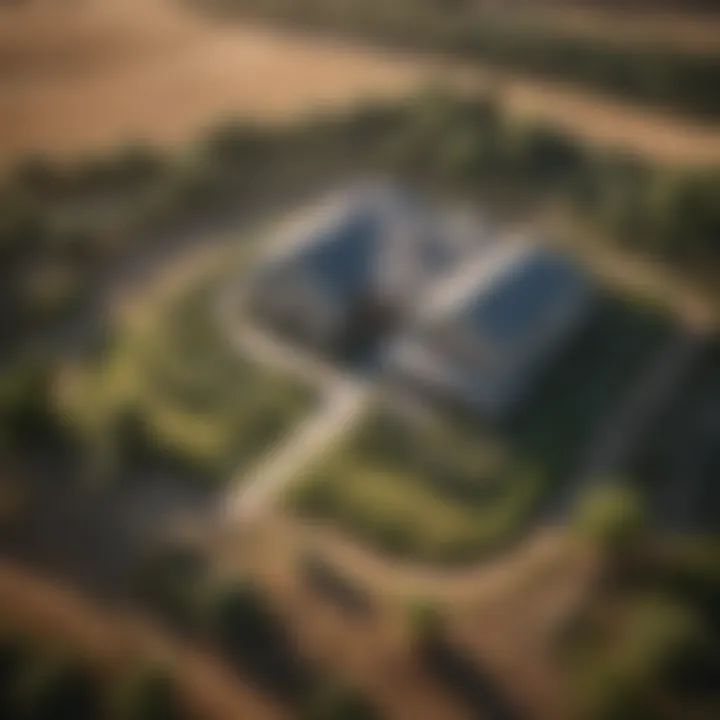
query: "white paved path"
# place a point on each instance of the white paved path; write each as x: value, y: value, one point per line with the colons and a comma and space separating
x: 251, y: 492
x: 343, y: 399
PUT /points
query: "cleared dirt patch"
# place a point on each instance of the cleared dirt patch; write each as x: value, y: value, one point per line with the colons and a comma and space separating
x: 508, y: 603
x: 76, y: 77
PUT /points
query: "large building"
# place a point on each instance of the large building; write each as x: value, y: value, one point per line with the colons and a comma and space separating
x: 486, y: 333
x: 357, y: 269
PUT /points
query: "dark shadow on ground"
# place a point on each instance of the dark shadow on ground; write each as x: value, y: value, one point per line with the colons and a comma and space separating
x: 259, y: 645
x: 331, y: 584
x: 469, y: 682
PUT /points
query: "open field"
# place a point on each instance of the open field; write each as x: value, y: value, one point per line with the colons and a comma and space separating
x: 171, y: 382
x: 79, y: 78
x: 450, y: 495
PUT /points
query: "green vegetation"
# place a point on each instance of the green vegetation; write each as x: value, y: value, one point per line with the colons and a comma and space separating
x: 650, y: 73
x: 171, y: 385
x: 621, y: 681
x: 450, y: 494
x: 338, y: 703
x: 40, y: 682
x: 648, y: 641
x: 26, y: 415
x: 172, y: 580
x: 147, y: 693
x: 612, y: 517
x: 56, y: 686
x: 425, y: 624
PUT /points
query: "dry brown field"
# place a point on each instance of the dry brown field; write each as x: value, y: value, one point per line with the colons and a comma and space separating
x: 79, y: 76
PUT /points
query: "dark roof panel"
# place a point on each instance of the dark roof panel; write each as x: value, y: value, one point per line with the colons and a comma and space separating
x: 514, y: 303
x: 342, y: 258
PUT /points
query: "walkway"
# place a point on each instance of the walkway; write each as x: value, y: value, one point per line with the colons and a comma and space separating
x: 343, y: 401
x: 252, y: 492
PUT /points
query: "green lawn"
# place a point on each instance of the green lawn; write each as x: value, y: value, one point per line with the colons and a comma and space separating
x: 185, y: 393
x: 449, y: 495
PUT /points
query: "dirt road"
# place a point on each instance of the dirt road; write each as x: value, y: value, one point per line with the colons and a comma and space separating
x: 78, y: 77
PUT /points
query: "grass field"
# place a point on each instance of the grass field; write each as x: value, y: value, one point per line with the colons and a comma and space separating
x: 453, y: 494
x: 171, y: 381
x: 116, y: 71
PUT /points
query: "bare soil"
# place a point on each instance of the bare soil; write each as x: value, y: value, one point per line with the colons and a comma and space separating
x: 79, y: 76
x: 501, y: 617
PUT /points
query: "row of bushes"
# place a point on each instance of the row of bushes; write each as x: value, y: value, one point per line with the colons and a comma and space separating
x: 414, y: 538
x: 651, y: 73
x: 38, y: 682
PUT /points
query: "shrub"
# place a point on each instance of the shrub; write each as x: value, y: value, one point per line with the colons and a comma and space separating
x: 425, y: 623
x: 332, y: 702
x: 612, y: 517
x: 25, y: 410
x: 172, y: 579
x: 147, y: 693
x: 16, y: 654
x: 57, y: 687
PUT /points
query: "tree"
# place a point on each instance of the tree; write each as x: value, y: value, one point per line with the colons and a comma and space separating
x: 25, y: 408
x: 612, y: 516
x: 57, y: 687
x: 148, y: 693
x: 332, y: 702
x: 172, y: 578
x: 425, y: 623
x: 623, y: 679
x: 15, y: 655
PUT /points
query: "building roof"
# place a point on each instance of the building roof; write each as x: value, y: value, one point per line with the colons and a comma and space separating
x: 486, y: 329
x: 342, y: 253
x: 510, y: 293
x: 523, y: 297
x: 372, y: 237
